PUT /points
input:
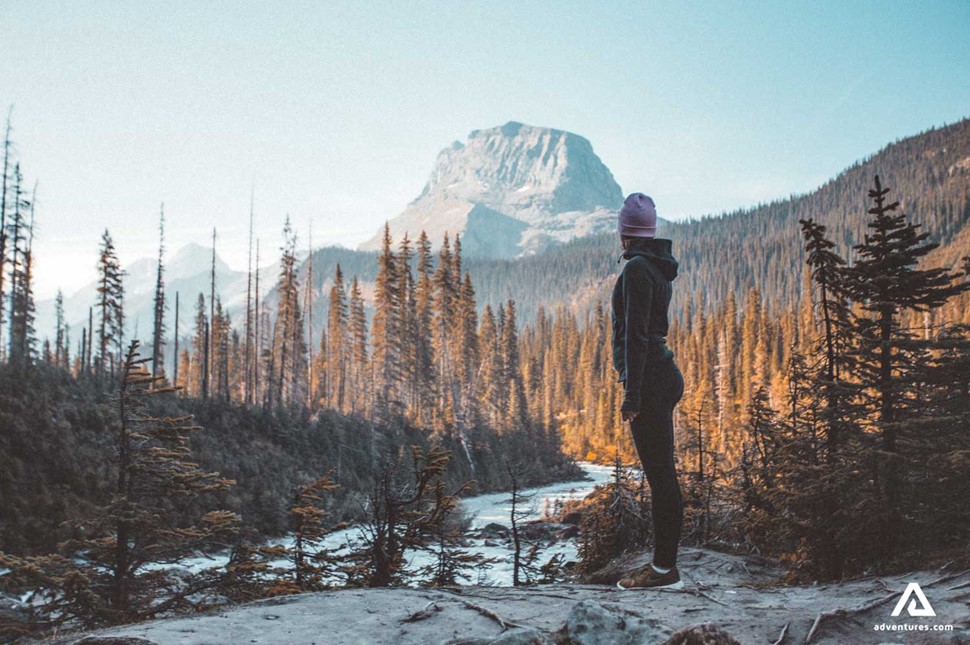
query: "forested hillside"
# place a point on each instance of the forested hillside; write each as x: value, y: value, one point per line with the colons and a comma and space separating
x: 730, y: 252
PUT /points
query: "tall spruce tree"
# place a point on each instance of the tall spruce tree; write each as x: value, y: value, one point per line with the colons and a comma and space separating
x: 445, y: 297
x: 199, y: 380
x: 61, y: 341
x: 110, y: 308
x: 406, y: 316
x: 360, y: 384
x: 158, y: 326
x: 425, y: 381
x: 386, y: 338
x: 290, y: 350
x: 6, y: 188
x: 248, y: 361
x: 886, y: 283
x: 337, y: 341
x: 20, y: 236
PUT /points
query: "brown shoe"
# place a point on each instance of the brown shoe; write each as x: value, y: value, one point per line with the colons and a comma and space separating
x: 647, y: 577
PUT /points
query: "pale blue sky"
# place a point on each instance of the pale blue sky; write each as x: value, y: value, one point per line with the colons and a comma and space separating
x: 336, y: 110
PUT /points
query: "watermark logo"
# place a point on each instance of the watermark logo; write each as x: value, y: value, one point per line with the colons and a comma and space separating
x: 923, y: 609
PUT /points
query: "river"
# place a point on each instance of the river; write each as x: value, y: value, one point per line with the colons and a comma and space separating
x: 490, y: 508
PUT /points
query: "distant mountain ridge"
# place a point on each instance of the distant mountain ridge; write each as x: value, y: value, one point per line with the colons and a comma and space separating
x: 512, y: 190
x: 186, y: 273
x: 723, y: 255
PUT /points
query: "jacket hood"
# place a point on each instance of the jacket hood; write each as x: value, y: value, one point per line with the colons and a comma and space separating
x: 657, y: 250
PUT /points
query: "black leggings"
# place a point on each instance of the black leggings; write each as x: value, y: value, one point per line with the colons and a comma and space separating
x: 653, y: 435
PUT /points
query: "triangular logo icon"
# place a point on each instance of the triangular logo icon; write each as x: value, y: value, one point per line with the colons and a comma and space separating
x: 923, y: 610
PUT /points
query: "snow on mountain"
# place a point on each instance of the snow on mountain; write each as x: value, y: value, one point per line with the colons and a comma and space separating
x: 512, y: 190
x: 186, y: 273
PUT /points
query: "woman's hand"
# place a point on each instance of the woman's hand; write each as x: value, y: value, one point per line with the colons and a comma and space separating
x: 627, y: 415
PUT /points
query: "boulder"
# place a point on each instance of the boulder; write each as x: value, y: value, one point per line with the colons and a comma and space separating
x: 494, y: 530
x: 593, y: 623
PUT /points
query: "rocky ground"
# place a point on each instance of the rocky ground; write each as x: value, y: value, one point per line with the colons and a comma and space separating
x: 726, y: 599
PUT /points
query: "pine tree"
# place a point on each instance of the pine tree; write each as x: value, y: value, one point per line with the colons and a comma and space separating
x: 17, y: 232
x: 443, y: 283
x: 308, y: 308
x: 337, y: 351
x: 25, y: 293
x: 110, y: 307
x: 886, y: 283
x: 360, y: 384
x: 21, y: 234
x: 200, y: 352
x: 258, y: 331
x: 425, y: 381
x: 406, y: 325
x: 467, y: 356
x: 158, y: 327
x: 451, y: 560
x: 248, y: 359
x: 312, y: 563
x: 61, y: 341
x: 827, y: 273
x: 5, y: 189
x: 221, y: 351
x: 491, y: 387
x: 289, y: 344
x: 517, y: 414
x: 385, y: 330
x: 175, y: 350
x: 210, y: 340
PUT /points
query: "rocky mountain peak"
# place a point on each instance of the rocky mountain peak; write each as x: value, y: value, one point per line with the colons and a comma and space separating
x: 524, y: 187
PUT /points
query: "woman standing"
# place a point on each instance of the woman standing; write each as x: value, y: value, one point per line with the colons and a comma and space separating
x: 652, y: 382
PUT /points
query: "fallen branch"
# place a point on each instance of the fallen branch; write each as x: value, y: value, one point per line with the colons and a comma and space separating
x: 488, y: 613
x: 842, y: 613
x: 698, y: 592
x: 952, y: 576
x: 811, y: 632
x: 421, y: 614
x: 781, y: 637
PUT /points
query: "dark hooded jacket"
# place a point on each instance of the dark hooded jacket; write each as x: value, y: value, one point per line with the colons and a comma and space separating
x: 641, y: 296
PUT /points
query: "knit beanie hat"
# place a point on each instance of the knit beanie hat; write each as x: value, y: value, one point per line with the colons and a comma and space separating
x: 638, y: 216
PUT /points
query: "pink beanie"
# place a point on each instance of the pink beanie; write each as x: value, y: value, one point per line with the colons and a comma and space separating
x: 638, y: 216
